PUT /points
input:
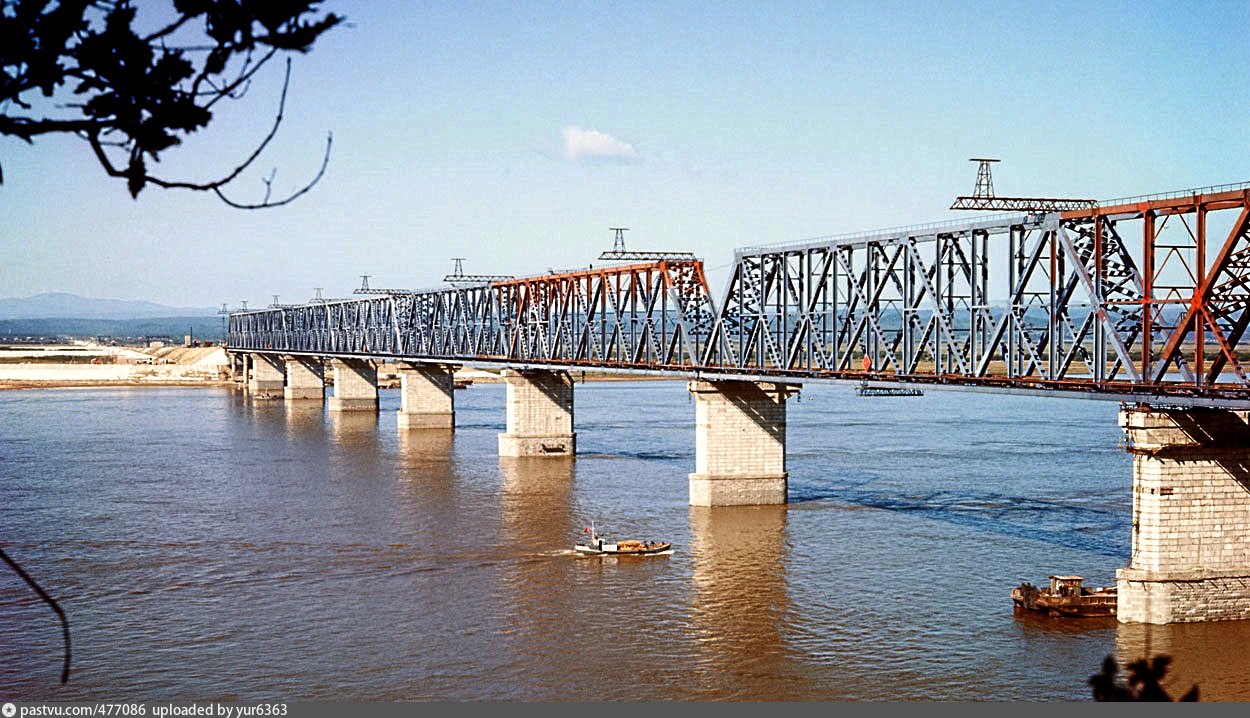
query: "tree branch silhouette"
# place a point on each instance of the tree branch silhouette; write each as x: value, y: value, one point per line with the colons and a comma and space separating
x: 51, y: 602
x: 216, y: 186
x: 1144, y: 681
x: 137, y: 96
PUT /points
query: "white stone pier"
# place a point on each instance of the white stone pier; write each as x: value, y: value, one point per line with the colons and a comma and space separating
x: 539, y: 414
x: 305, y: 379
x: 426, y: 396
x: 238, y: 367
x: 740, y: 443
x: 1191, y: 516
x: 355, y: 385
x: 268, y: 375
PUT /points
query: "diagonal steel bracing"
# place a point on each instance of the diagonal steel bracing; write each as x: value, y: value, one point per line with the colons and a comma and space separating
x: 640, y: 316
x: 1120, y: 299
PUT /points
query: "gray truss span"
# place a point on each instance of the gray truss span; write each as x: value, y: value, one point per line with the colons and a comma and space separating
x: 1130, y: 301
x: 642, y: 316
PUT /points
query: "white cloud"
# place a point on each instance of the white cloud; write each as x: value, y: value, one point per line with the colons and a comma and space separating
x: 581, y: 145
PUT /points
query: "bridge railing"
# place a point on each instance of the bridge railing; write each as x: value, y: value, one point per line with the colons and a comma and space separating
x: 1178, y: 194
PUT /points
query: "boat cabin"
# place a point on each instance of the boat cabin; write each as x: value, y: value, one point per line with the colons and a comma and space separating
x: 1066, y: 585
x: 1066, y: 596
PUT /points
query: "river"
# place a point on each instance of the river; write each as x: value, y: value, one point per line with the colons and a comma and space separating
x: 208, y: 547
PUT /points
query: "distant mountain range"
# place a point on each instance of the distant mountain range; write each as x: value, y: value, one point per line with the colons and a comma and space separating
x: 62, y: 305
x: 60, y: 315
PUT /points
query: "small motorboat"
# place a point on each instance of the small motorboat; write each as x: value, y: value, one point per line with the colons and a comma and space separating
x: 1065, y: 597
x: 599, y: 546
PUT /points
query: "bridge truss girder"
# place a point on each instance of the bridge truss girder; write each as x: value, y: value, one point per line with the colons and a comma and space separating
x: 1087, y: 309
x: 640, y: 316
x: 1133, y: 299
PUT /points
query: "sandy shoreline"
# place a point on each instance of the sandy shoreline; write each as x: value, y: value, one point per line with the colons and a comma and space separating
x: 16, y: 384
x: 9, y: 384
x: 85, y: 365
x: 81, y: 376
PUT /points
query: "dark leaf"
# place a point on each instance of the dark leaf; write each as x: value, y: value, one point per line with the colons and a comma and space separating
x: 1144, y: 681
x: 136, y: 177
x: 216, y: 61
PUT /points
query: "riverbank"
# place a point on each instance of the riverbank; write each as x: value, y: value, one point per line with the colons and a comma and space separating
x: 87, y: 365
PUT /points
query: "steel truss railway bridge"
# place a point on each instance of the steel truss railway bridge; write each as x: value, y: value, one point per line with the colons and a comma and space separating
x: 1143, y: 300
x: 1100, y: 302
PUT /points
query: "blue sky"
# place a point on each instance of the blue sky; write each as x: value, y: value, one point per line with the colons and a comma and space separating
x: 515, y: 134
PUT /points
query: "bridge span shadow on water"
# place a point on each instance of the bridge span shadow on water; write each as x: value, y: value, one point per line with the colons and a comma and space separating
x: 1082, y: 528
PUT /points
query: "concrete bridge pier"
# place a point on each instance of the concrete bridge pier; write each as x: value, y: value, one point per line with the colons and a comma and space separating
x: 268, y: 375
x: 237, y: 361
x: 305, y: 379
x: 1191, y: 516
x: 539, y: 414
x: 426, y: 396
x: 355, y: 385
x: 740, y: 443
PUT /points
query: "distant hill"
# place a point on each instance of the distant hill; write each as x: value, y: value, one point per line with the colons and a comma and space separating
x: 62, y: 305
x: 122, y: 330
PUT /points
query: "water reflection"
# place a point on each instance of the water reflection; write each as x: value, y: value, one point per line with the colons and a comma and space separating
x: 237, y: 397
x: 355, y: 454
x: 1211, y: 655
x: 263, y: 420
x: 536, y: 523
x: 425, y: 467
x: 304, y: 420
x: 266, y: 409
x: 426, y: 451
x: 537, y: 502
x: 1040, y: 625
x: 351, y: 429
x: 740, y: 603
